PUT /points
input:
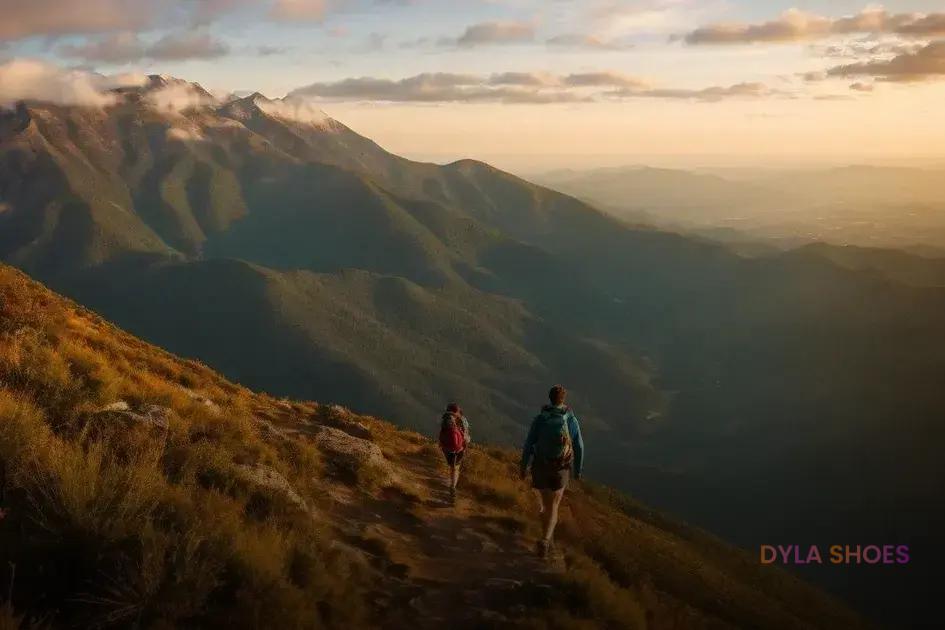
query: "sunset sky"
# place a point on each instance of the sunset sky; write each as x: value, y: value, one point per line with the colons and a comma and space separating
x: 534, y: 84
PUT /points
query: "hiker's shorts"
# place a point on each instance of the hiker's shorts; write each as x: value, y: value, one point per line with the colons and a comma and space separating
x: 454, y: 459
x: 550, y: 478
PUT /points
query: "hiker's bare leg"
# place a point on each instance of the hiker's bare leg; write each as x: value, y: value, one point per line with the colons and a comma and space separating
x: 454, y: 476
x: 541, y: 501
x: 551, y: 500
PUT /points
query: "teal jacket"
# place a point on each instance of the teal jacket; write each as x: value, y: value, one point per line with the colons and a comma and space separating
x: 574, y: 428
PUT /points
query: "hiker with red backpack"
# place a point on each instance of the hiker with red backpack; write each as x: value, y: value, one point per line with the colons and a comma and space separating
x: 454, y: 438
x: 554, y: 447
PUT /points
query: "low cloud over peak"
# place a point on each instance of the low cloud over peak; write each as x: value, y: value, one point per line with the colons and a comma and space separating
x: 35, y: 80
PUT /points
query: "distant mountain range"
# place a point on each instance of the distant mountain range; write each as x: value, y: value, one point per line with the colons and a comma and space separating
x: 866, y: 206
x: 781, y: 399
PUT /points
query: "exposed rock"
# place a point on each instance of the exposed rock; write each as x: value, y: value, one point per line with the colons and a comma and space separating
x: 353, y: 428
x: 268, y: 429
x: 120, y: 406
x: 340, y: 418
x: 355, y: 454
x: 203, y: 400
x: 149, y: 415
x: 266, y: 477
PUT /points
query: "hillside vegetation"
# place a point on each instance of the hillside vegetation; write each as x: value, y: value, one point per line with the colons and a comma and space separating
x: 146, y: 490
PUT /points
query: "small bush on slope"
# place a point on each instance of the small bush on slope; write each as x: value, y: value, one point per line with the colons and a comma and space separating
x: 120, y: 518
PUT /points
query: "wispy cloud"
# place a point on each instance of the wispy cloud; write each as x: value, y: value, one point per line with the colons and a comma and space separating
x: 293, y: 10
x: 493, y: 33
x: 518, y: 87
x: 709, y: 94
x: 442, y: 88
x: 925, y: 64
x: 577, y: 41
x: 796, y: 25
x: 54, y: 17
x: 126, y: 47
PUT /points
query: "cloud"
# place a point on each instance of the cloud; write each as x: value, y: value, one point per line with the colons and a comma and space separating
x: 117, y: 48
x: 867, y: 48
x: 581, y: 41
x: 641, y: 16
x: 268, y: 51
x: 55, y: 18
x: 493, y: 33
x: 31, y: 79
x: 925, y: 64
x: 439, y: 88
x: 518, y: 87
x: 524, y: 79
x: 861, y: 87
x: 709, y: 94
x: 175, y: 96
x: 127, y: 47
x: 188, y: 45
x: 292, y: 10
x: 605, y: 79
x: 795, y: 25
x: 297, y: 109
x: 26, y: 18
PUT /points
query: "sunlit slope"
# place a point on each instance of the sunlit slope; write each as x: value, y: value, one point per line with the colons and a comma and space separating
x: 146, y: 490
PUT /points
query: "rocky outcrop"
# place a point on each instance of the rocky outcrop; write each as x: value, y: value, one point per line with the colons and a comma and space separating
x: 272, y: 479
x: 200, y: 399
x: 154, y: 416
x: 358, y: 456
x: 340, y: 418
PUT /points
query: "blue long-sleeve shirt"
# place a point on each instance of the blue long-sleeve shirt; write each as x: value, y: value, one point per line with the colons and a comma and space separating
x: 574, y: 429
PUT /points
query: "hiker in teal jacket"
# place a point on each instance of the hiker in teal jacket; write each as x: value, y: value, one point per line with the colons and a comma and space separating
x: 554, y: 447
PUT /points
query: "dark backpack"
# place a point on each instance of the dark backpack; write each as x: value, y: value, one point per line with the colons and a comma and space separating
x: 553, y: 446
x: 452, y: 436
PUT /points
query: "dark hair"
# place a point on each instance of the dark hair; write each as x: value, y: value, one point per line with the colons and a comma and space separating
x: 452, y: 408
x: 557, y: 394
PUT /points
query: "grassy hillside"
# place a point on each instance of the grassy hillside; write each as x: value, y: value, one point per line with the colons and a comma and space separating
x: 379, y: 343
x: 145, y: 489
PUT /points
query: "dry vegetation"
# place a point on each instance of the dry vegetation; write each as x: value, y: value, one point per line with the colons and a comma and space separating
x: 145, y: 515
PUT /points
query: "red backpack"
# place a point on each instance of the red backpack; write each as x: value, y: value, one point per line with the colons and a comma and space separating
x: 452, y: 437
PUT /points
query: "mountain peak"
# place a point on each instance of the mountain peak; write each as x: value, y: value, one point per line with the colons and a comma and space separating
x: 285, y: 109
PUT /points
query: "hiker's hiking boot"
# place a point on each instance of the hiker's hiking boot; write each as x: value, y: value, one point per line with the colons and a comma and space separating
x: 543, y: 548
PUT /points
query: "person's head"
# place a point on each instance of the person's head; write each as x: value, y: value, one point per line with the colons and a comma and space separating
x: 453, y: 408
x: 557, y: 395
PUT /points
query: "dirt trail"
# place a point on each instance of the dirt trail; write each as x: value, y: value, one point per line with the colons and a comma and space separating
x: 458, y: 565
x: 473, y: 568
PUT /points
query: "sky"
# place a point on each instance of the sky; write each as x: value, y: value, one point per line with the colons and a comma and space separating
x: 529, y: 84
